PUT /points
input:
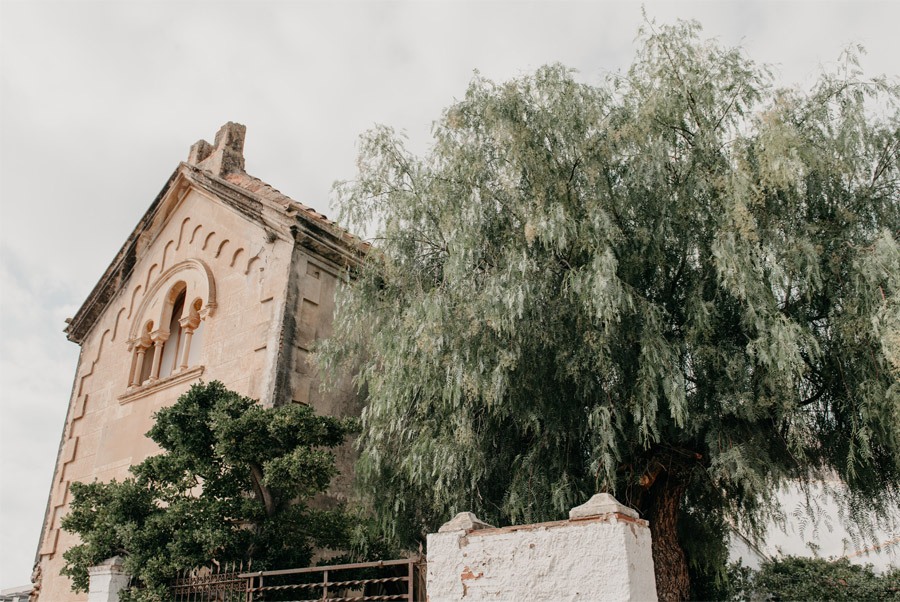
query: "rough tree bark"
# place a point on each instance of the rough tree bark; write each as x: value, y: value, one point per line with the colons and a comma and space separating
x: 673, y: 582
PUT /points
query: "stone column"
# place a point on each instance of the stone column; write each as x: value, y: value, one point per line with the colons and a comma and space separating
x: 159, y: 339
x: 157, y: 358
x: 138, y: 366
x: 601, y: 553
x: 188, y: 333
x: 107, y: 579
x: 133, y: 351
x: 188, y: 325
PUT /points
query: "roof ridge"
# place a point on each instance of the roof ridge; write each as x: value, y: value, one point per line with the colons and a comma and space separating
x: 259, y: 187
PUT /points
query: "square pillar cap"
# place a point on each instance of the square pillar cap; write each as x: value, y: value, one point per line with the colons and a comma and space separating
x: 464, y: 521
x: 601, y: 503
x: 114, y: 564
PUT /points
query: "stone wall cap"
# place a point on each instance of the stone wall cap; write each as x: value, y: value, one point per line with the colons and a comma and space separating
x: 113, y: 561
x: 601, y: 503
x: 115, y: 564
x: 464, y: 521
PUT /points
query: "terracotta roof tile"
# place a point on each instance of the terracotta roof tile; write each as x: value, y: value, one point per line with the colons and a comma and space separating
x: 259, y: 188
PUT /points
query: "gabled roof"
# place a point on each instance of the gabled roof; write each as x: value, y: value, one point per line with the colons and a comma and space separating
x: 218, y: 169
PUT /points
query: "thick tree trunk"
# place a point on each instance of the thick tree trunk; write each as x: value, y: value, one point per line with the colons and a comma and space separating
x: 673, y: 582
x: 262, y: 492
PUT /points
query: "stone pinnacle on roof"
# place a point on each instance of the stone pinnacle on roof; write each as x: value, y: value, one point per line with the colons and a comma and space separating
x: 226, y: 155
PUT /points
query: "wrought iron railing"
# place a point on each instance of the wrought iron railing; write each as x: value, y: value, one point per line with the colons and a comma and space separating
x: 211, y: 584
x: 401, y: 580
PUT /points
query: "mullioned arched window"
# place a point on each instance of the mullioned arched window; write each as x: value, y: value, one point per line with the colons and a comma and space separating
x: 168, y: 329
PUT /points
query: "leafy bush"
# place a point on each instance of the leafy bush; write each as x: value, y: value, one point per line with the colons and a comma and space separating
x: 796, y: 578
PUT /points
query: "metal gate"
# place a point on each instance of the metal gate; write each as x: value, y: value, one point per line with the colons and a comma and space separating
x: 401, y: 580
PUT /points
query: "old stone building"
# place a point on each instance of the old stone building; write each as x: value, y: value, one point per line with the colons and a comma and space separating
x: 224, y: 278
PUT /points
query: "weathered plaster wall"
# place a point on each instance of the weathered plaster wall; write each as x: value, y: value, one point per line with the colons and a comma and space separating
x: 310, y: 295
x: 605, y: 556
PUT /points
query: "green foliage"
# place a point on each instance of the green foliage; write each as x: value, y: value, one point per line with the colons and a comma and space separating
x: 678, y: 282
x: 232, y: 485
x: 795, y: 578
x: 737, y: 584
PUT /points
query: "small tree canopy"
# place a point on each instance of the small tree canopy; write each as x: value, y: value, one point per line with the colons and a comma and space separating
x: 232, y: 485
x: 681, y: 286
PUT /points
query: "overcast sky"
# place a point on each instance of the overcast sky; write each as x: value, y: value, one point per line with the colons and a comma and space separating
x: 100, y: 100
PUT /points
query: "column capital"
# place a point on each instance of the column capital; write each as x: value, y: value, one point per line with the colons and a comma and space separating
x: 159, y: 336
x: 189, y: 322
x: 208, y: 310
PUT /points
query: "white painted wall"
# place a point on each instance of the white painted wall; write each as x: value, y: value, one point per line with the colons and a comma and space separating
x: 107, y: 579
x: 598, y: 555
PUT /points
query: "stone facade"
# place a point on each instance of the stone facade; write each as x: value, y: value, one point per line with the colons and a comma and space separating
x: 224, y: 278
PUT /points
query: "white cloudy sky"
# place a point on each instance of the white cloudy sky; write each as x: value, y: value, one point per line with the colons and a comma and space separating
x: 100, y: 100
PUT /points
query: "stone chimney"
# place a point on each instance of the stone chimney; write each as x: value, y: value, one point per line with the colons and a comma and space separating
x: 226, y: 155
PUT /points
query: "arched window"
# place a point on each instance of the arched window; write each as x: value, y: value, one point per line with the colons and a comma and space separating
x: 169, y: 342
x: 171, y: 359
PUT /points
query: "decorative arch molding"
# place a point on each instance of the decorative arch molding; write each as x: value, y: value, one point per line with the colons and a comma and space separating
x: 199, y: 279
x: 197, y: 229
x: 134, y: 295
x: 153, y: 268
x: 181, y: 230
x: 234, y: 258
x: 250, y: 263
x: 167, y: 253
x: 116, y: 323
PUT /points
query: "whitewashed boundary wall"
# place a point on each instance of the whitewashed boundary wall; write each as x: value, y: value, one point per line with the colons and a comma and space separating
x: 601, y: 553
x: 107, y: 579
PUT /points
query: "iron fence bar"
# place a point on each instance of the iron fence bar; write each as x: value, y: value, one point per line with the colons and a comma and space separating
x: 336, y: 567
x: 336, y: 583
x: 398, y: 597
x: 409, y: 583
